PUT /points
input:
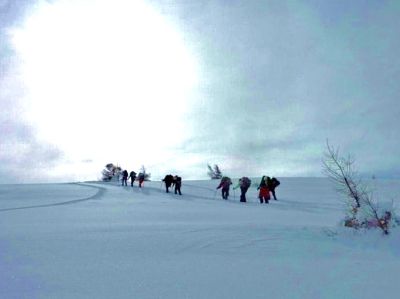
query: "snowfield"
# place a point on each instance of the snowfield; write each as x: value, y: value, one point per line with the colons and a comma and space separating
x: 102, y: 240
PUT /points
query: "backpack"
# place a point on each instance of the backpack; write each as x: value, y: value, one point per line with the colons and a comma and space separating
x: 226, y: 180
x: 245, y: 182
x: 275, y: 182
x: 178, y: 180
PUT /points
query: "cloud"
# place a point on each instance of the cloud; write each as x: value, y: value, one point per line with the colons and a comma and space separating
x: 280, y: 77
x: 23, y: 158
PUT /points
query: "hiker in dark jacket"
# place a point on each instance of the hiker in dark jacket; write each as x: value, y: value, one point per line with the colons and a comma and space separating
x: 168, y: 180
x: 264, y: 191
x: 244, y: 184
x: 225, y: 184
x: 124, y: 178
x: 177, y: 183
x: 141, y: 179
x: 132, y: 176
x: 272, y: 184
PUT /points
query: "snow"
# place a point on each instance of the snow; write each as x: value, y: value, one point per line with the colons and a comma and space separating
x: 102, y: 240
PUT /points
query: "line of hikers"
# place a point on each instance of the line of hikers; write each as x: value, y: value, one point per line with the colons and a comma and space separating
x: 169, y: 180
x: 132, y: 176
x: 175, y: 181
x: 266, y: 186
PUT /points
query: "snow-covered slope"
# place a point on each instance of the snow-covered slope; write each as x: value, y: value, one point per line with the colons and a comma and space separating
x: 101, y: 240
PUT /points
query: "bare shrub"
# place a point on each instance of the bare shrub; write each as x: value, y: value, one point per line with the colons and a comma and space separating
x: 110, y: 172
x: 364, y: 208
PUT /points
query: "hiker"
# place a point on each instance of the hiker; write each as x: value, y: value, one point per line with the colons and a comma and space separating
x: 132, y: 176
x: 168, y: 181
x: 177, y: 183
x: 124, y: 178
x: 272, y: 184
x: 141, y: 179
x: 224, y: 184
x: 244, y: 184
x: 264, y: 191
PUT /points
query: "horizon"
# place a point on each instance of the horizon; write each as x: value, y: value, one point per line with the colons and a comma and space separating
x: 159, y: 179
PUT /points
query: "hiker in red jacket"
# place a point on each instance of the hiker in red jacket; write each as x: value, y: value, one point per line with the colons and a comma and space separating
x: 264, y: 191
x: 224, y: 184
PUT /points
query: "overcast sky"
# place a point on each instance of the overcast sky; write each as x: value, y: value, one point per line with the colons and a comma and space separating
x: 254, y: 86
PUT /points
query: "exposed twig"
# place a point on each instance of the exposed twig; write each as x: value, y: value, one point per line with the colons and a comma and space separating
x: 342, y: 172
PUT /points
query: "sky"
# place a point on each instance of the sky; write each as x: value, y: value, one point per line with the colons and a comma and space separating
x: 257, y: 87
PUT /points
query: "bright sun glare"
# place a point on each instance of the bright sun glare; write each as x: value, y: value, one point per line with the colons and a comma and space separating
x: 98, y: 70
